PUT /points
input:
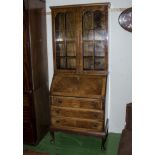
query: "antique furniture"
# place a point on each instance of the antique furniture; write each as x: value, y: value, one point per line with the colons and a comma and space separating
x: 80, y: 51
x: 35, y: 76
x: 125, y: 145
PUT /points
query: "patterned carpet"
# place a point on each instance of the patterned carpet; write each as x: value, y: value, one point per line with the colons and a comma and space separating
x: 71, y: 144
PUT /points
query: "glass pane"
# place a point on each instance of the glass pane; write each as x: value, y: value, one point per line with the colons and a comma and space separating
x: 88, y: 49
x: 99, y: 20
x: 88, y: 20
x: 88, y: 63
x: 99, y: 48
x: 63, y: 62
x: 70, y: 35
x: 60, y: 21
x: 71, y: 63
x: 88, y: 35
x: 59, y: 36
x: 99, y: 63
x: 100, y: 35
x: 70, y: 21
x: 71, y: 51
x: 58, y: 62
x: 60, y: 50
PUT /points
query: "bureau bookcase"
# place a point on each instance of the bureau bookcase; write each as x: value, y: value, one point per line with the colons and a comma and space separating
x: 80, y: 53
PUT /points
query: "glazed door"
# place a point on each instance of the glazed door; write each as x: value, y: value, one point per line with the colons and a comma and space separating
x: 80, y: 39
x: 94, y: 38
x: 65, y: 39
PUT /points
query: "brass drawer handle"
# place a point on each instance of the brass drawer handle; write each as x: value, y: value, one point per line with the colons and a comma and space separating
x: 57, y: 121
x: 59, y: 101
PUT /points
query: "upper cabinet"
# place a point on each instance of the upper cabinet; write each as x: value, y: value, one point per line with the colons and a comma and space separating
x: 80, y: 38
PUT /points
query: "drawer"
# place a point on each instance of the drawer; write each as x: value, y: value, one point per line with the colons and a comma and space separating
x: 72, y: 102
x: 77, y: 113
x: 77, y: 123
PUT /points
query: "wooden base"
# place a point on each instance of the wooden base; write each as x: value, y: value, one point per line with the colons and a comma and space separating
x: 102, y: 135
x: 78, y: 131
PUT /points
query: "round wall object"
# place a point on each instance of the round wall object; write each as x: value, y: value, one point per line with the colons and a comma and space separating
x: 125, y: 19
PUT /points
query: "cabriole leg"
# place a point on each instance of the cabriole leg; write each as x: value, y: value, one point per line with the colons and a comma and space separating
x: 52, y: 137
x: 106, y: 135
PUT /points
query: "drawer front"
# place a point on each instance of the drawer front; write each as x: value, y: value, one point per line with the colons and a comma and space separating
x: 77, y: 102
x: 77, y: 113
x: 77, y: 123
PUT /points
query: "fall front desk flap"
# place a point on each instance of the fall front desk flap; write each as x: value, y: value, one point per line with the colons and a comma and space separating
x: 79, y: 85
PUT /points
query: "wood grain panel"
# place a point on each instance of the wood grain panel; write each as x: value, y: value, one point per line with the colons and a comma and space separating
x: 77, y: 113
x: 26, y: 99
x: 76, y: 102
x: 26, y: 114
x: 35, y: 72
x: 29, y: 135
x: 27, y: 107
x: 38, y: 47
x: 27, y: 80
x: 79, y: 86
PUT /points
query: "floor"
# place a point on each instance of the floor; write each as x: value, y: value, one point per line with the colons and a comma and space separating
x: 71, y: 144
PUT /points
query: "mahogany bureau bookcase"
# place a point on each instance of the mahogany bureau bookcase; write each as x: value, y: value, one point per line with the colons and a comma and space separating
x: 80, y: 52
